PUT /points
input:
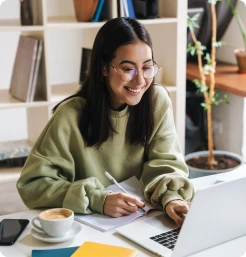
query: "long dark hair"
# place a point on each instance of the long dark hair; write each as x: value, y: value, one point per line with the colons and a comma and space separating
x: 95, y: 124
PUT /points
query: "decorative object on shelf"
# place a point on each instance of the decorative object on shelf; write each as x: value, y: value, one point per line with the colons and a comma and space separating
x: 239, y: 53
x: 26, y: 13
x: 211, y: 97
x: 85, y: 9
x: 146, y: 9
x: 85, y: 63
x: 14, y: 154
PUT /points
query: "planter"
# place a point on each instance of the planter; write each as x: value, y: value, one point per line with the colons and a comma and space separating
x: 84, y: 9
x: 196, y: 172
x: 241, y: 60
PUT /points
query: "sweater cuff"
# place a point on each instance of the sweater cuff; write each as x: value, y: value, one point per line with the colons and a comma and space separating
x: 169, y: 196
x: 97, y: 199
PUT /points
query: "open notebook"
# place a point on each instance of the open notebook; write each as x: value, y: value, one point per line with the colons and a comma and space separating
x: 104, y: 223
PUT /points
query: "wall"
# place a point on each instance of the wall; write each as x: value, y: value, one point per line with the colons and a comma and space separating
x: 230, y: 133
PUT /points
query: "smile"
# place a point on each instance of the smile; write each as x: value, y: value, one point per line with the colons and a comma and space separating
x: 134, y: 90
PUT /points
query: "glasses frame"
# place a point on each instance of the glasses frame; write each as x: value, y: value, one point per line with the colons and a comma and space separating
x: 137, y: 72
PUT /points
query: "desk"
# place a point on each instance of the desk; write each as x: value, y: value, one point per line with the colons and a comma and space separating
x: 26, y: 243
x: 226, y: 78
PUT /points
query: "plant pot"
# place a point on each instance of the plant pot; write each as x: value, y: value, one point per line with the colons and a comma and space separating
x: 241, y: 59
x: 85, y: 9
x: 196, y: 172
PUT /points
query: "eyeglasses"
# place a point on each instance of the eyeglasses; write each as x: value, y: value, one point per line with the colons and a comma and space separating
x: 129, y: 74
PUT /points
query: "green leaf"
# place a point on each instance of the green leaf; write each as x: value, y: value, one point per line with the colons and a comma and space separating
x: 218, y: 44
x: 192, y: 22
x: 206, y: 106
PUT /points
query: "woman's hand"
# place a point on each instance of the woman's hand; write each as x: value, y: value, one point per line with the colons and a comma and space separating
x: 177, y: 210
x: 119, y: 204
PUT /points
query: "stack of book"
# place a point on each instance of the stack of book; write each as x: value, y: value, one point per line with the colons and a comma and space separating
x: 88, y: 249
x: 110, y: 9
x: 26, y: 68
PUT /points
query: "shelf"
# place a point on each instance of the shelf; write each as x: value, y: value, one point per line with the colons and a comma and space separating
x: 226, y: 78
x: 159, y: 21
x: 70, y: 22
x: 60, y: 92
x: 7, y: 101
x: 7, y: 174
x: 63, y: 38
x: 14, y: 25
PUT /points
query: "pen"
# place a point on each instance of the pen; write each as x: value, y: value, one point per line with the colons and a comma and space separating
x: 119, y: 186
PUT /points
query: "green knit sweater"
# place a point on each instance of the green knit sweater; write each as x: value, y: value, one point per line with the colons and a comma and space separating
x: 61, y: 171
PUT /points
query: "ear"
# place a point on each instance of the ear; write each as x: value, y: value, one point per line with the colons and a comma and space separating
x: 104, y: 71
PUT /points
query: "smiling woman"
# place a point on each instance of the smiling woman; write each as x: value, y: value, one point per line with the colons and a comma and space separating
x: 118, y: 121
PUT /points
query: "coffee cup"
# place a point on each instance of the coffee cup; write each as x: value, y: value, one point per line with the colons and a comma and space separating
x: 54, y: 222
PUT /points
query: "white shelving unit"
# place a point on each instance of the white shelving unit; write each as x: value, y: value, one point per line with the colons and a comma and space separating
x: 64, y: 38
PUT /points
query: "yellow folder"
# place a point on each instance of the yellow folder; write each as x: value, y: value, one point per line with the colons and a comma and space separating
x: 92, y: 249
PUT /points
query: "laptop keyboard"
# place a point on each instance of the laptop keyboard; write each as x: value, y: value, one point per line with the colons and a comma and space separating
x: 167, y: 239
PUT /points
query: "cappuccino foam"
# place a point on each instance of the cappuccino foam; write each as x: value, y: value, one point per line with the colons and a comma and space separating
x: 55, y: 215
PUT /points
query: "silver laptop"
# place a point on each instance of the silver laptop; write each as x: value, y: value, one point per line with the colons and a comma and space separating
x: 216, y: 215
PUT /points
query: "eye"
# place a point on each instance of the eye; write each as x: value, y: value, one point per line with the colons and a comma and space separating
x: 129, y: 70
x: 148, y: 67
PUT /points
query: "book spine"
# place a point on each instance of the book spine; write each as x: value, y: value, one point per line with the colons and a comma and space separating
x: 26, y: 13
x: 36, y: 71
x: 113, y: 9
x: 98, y: 11
x: 131, y: 9
x: 34, y: 57
x: 126, y: 11
x: 121, y: 8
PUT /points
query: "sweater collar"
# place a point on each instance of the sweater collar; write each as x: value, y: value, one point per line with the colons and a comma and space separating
x: 119, y: 114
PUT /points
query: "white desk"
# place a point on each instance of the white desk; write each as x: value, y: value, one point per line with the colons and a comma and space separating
x: 26, y: 243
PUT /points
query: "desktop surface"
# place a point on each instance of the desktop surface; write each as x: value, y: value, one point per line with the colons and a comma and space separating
x: 26, y: 243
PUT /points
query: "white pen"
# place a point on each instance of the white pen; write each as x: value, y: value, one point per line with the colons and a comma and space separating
x: 119, y: 186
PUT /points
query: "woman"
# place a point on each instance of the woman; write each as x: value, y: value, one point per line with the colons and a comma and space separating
x: 118, y: 122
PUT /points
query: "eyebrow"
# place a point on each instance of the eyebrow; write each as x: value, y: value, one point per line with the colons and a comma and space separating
x: 133, y: 63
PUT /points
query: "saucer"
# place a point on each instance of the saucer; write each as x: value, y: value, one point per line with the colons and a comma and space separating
x: 75, y: 230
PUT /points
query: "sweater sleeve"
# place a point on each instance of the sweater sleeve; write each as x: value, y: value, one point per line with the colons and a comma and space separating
x: 165, y: 174
x: 52, y: 175
x: 43, y: 184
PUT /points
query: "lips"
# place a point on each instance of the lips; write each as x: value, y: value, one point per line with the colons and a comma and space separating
x: 134, y: 90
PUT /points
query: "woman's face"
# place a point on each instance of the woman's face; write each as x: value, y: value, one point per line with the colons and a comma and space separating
x: 139, y: 56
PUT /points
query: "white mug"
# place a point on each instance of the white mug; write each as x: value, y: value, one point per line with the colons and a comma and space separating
x: 54, y: 222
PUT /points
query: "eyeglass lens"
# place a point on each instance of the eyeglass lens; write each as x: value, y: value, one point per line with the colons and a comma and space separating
x: 148, y: 72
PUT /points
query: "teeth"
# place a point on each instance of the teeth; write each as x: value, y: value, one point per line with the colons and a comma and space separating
x: 134, y: 90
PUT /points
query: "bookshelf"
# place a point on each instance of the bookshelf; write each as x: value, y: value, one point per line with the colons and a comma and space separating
x: 64, y: 37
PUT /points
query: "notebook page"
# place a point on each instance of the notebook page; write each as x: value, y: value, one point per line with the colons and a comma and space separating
x: 134, y: 187
x: 104, y: 223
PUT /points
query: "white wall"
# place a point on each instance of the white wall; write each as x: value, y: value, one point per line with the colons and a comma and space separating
x: 231, y: 135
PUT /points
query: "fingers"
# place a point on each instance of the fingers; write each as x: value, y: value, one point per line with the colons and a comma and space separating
x: 131, y: 200
x: 177, y: 210
x: 119, y: 204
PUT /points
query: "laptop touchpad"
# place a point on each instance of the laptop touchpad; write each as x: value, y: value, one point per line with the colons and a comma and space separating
x: 162, y: 222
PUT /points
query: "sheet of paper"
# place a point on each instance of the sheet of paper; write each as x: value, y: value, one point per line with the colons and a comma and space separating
x: 104, y: 223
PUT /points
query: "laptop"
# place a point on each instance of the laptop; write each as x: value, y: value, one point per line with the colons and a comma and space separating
x: 216, y: 215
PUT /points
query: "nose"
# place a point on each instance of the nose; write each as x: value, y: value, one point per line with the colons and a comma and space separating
x: 139, y: 77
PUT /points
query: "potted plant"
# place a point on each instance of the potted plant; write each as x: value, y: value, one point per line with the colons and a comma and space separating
x: 211, y: 161
x: 239, y: 53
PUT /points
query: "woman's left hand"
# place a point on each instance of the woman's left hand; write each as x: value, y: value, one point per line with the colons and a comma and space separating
x: 177, y: 210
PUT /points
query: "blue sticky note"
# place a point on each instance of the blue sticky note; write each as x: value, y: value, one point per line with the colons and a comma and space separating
x: 61, y: 252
